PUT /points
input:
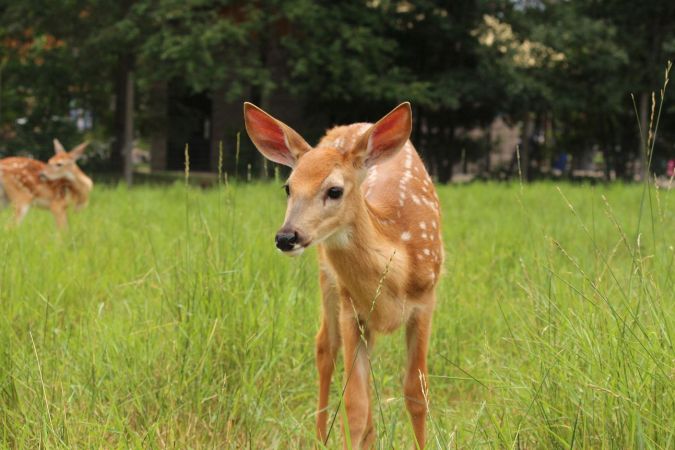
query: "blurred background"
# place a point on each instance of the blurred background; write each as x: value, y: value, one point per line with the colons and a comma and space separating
x: 141, y: 79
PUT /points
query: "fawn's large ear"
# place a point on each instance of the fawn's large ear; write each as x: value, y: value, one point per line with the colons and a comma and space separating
x: 274, y: 139
x: 77, y: 152
x: 58, y: 148
x: 384, y: 139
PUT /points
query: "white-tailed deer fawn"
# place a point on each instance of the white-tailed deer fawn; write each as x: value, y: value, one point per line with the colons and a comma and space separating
x: 54, y: 185
x: 364, y: 197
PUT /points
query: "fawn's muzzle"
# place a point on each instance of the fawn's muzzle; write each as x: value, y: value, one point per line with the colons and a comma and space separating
x: 286, y: 240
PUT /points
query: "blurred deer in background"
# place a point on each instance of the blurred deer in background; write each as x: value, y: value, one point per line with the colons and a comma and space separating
x: 364, y: 197
x: 55, y: 185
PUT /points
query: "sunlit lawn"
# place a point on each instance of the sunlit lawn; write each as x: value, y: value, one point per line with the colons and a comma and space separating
x: 165, y: 318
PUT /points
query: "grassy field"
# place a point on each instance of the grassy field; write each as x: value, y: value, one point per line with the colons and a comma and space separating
x: 165, y: 318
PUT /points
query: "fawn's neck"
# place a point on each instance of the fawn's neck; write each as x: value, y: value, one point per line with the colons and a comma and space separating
x: 81, y: 187
x: 362, y: 254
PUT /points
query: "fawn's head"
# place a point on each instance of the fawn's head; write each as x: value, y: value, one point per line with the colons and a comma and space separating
x: 324, y: 187
x: 63, y: 164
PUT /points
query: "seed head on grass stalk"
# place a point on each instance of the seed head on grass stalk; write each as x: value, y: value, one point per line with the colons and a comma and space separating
x: 520, y: 173
x: 649, y: 152
x: 187, y: 204
x: 220, y: 162
x: 232, y: 195
x: 187, y: 164
x: 637, y: 261
x: 236, y: 155
x: 220, y: 195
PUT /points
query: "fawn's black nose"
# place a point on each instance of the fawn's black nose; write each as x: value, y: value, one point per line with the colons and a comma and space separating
x: 286, y: 240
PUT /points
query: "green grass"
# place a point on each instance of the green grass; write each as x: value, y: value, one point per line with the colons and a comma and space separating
x: 167, y: 319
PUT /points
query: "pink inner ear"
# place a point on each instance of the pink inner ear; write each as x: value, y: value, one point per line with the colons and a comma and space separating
x: 269, y: 137
x: 388, y: 134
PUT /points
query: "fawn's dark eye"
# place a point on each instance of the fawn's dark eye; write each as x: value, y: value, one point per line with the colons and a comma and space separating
x: 287, y: 188
x: 334, y: 192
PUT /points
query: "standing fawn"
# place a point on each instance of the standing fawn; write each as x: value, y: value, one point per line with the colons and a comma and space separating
x: 56, y: 184
x: 364, y: 197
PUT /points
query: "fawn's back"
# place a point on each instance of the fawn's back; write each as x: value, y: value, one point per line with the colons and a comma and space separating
x: 401, y: 194
x: 21, y: 181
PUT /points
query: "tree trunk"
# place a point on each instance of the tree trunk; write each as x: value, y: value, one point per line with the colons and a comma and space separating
x: 528, y: 129
x: 444, y: 158
x: 465, y: 166
x: 2, y: 66
x: 117, y: 148
x: 158, y: 105
x: 220, y: 113
x: 128, y: 142
x: 549, y: 142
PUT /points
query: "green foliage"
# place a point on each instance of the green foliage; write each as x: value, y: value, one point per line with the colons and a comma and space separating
x: 570, y: 64
x: 199, y: 42
x: 343, y: 52
x: 34, y: 74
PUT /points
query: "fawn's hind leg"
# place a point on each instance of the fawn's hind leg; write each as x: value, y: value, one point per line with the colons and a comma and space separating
x: 20, y: 211
x: 417, y: 333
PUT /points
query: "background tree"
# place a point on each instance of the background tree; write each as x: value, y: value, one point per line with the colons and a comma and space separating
x: 560, y: 72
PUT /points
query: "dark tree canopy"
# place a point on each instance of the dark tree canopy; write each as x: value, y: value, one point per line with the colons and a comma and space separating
x: 559, y: 72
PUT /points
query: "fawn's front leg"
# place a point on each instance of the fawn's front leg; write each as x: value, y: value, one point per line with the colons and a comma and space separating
x: 417, y: 334
x: 327, y: 346
x: 60, y: 213
x: 357, y: 340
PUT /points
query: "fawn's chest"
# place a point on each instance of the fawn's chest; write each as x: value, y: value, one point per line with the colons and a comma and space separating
x: 374, y: 286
